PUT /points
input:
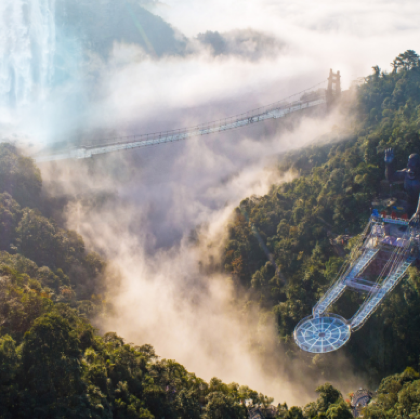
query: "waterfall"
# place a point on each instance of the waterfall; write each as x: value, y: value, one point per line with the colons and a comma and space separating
x: 27, y: 49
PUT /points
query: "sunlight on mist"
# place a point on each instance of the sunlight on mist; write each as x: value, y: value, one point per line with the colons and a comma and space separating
x: 165, y: 295
x: 83, y: 88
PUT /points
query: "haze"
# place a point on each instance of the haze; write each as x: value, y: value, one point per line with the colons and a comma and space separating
x: 220, y: 58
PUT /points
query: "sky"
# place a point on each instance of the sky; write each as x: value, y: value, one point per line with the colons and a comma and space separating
x: 348, y: 35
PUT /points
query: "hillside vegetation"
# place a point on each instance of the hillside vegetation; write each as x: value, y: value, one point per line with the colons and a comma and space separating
x: 54, y: 364
x: 332, y: 196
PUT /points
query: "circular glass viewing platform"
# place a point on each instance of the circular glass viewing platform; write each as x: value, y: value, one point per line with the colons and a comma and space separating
x: 323, y: 334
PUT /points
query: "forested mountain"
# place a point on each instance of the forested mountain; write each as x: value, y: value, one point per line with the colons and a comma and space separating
x: 53, y: 363
x: 298, y: 221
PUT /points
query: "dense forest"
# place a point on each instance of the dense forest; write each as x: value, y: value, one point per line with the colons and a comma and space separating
x: 303, y: 224
x: 54, y: 364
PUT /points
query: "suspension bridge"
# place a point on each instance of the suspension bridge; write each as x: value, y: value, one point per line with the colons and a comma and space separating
x: 309, y: 98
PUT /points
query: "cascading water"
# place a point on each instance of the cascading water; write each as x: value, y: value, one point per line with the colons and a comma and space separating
x: 27, y: 49
x: 52, y: 54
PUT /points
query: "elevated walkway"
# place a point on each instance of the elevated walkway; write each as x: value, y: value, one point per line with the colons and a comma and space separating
x: 335, y: 292
x: 370, y: 305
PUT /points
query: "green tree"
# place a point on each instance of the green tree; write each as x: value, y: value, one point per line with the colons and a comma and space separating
x: 52, y: 370
x: 9, y: 390
x: 19, y: 176
x: 222, y: 406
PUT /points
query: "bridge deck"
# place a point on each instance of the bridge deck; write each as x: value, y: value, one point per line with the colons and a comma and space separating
x: 278, y: 111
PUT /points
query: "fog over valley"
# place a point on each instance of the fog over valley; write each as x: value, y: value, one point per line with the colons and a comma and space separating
x: 83, y: 72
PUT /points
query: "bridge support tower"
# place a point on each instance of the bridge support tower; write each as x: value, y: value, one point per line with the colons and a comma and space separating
x: 334, y: 88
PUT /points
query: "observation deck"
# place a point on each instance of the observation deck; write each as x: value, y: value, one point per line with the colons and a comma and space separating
x: 322, y: 334
x: 387, y: 248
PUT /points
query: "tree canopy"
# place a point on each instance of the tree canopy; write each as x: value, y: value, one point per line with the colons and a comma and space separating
x: 53, y: 363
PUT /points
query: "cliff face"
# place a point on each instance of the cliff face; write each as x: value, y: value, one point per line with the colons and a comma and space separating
x: 101, y: 23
